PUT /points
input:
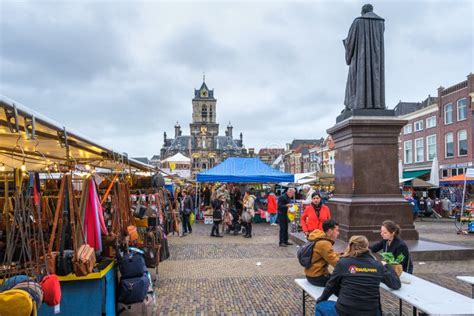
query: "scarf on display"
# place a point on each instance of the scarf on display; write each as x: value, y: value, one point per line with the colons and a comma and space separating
x: 92, y: 215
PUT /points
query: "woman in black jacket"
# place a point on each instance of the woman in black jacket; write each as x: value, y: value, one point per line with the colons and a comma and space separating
x: 217, y: 204
x: 391, y: 242
x: 356, y: 280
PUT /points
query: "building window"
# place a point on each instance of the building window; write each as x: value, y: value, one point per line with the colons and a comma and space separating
x: 460, y: 171
x: 407, y: 129
x: 445, y: 173
x: 408, y: 151
x: 462, y: 143
x: 454, y: 172
x: 431, y: 122
x: 448, y: 145
x: 448, y: 113
x: 430, y: 147
x: 210, y: 114
x: 418, y: 126
x: 462, y: 109
x: 204, y: 112
x: 419, y: 150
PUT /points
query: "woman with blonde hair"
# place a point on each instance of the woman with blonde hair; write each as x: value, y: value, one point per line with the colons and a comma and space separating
x: 356, y: 280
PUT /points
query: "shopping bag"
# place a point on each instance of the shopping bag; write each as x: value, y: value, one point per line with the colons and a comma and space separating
x: 191, y: 218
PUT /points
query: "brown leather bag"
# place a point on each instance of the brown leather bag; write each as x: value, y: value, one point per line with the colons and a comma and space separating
x: 132, y: 232
x: 84, y: 260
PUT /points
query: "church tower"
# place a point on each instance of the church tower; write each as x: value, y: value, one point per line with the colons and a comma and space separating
x: 204, y: 128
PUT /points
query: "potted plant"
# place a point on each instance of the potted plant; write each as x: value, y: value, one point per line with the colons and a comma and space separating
x: 396, y: 263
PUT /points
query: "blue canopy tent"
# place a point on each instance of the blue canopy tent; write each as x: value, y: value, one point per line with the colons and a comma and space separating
x: 244, y: 170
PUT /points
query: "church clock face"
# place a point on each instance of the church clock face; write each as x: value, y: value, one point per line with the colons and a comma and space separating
x: 203, y: 130
x: 204, y: 93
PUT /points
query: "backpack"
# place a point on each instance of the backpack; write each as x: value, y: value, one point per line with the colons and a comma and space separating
x: 305, y: 253
x: 326, y: 308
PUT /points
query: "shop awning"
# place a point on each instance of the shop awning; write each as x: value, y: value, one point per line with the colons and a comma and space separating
x: 415, y: 174
x: 456, y: 180
x: 36, y: 141
x: 244, y: 170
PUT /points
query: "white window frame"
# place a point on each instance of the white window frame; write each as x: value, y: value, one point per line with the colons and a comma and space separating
x: 446, y: 145
x: 407, y: 129
x: 433, y: 119
x: 405, y: 156
x: 446, y: 112
x: 419, y: 127
x: 458, y: 108
x: 417, y: 142
x: 459, y: 140
x: 428, y: 147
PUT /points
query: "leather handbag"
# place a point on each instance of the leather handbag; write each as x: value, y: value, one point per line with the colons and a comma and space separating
x: 64, y: 262
x: 132, y: 232
x: 84, y: 260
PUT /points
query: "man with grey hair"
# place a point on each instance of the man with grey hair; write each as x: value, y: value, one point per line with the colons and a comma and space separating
x: 308, y: 190
x: 284, y: 201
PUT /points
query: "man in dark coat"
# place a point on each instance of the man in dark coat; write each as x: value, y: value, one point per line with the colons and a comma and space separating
x: 364, y: 46
x: 284, y: 202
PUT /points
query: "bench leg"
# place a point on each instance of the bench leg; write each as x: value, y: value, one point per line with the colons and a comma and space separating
x: 304, y: 303
x: 400, y: 307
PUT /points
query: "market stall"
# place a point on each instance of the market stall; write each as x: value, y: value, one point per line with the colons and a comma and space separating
x: 68, y: 216
x: 244, y: 171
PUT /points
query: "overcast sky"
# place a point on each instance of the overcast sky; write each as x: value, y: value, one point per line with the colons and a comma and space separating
x: 122, y: 73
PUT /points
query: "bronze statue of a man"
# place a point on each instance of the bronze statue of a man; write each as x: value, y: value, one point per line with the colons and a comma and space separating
x: 365, y: 88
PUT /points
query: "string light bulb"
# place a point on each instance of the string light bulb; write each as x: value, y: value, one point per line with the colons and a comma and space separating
x: 23, y: 166
x: 88, y: 167
x: 2, y: 167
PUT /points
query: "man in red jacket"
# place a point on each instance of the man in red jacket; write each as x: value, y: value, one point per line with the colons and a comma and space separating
x: 272, y: 208
x: 314, y: 215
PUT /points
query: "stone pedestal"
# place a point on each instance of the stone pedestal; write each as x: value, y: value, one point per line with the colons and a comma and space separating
x: 366, y: 180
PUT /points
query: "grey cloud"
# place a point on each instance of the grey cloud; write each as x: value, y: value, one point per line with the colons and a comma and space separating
x: 54, y: 43
x: 196, y: 49
x: 123, y: 73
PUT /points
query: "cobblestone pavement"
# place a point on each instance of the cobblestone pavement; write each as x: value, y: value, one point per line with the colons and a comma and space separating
x: 239, y: 276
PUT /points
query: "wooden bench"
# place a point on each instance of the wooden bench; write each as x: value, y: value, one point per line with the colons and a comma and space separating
x: 431, y: 298
x: 468, y: 279
x: 310, y: 290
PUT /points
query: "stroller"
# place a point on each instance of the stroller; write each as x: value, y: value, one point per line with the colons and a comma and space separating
x: 235, y: 225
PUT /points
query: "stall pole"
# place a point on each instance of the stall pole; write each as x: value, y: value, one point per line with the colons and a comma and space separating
x: 462, y: 200
x: 196, y: 199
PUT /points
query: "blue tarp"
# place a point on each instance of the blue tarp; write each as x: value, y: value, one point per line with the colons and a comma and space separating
x: 244, y: 170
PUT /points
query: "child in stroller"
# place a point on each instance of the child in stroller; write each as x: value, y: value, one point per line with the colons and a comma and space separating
x: 233, y: 225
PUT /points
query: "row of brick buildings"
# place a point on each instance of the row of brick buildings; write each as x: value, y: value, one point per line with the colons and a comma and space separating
x: 301, y: 156
x: 441, y: 127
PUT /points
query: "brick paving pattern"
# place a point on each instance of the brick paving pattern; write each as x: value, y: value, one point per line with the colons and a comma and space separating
x: 220, y: 276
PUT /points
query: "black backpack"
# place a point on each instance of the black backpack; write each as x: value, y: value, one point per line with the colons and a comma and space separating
x: 305, y: 253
